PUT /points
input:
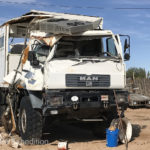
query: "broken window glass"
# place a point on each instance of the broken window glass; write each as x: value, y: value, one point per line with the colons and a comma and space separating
x: 70, y: 47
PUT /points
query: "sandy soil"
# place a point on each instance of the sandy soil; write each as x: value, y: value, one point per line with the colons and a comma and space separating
x: 81, y: 138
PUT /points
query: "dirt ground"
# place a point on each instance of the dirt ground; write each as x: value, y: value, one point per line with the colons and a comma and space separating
x: 82, y: 138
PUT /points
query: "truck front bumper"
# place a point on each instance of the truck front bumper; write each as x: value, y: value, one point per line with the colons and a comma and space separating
x: 83, y: 104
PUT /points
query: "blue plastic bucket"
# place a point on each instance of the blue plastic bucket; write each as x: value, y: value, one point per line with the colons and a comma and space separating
x: 112, y: 138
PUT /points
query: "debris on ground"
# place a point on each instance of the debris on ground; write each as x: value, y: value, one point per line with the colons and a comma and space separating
x: 7, y: 140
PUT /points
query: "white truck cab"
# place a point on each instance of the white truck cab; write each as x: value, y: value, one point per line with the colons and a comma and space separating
x: 68, y: 68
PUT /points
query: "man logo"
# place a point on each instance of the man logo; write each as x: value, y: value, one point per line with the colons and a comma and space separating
x: 89, y: 83
x: 88, y: 78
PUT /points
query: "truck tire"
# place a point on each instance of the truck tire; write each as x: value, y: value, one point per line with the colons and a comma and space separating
x: 125, y: 132
x: 30, y: 122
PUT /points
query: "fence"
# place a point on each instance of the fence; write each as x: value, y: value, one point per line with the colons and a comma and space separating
x: 141, y: 86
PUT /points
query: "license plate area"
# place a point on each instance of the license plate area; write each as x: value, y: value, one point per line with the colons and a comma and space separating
x: 104, y: 98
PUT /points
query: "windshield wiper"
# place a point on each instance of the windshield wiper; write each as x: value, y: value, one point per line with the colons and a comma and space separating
x: 84, y: 61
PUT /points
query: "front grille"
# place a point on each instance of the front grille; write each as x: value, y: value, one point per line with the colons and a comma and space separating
x: 82, y: 80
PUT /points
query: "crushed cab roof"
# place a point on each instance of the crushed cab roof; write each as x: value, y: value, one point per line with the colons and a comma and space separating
x: 26, y: 18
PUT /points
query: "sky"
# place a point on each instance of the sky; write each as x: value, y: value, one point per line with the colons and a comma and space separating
x: 130, y: 17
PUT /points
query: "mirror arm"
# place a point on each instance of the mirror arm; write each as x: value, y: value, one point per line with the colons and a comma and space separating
x: 128, y: 40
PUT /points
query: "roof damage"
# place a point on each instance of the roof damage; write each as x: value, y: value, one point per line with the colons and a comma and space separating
x: 55, y: 23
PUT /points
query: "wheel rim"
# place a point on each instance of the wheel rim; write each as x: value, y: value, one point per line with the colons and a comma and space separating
x: 23, y: 121
x: 126, y: 132
x: 122, y: 132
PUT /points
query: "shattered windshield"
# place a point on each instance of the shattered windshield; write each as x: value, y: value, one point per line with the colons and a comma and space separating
x: 80, y: 47
x: 42, y: 50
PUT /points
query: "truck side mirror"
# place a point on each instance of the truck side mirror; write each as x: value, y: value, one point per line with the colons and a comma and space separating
x: 33, y: 59
x: 126, y: 56
x: 126, y: 45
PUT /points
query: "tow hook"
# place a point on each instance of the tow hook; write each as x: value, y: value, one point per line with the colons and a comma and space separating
x: 105, y: 104
x: 75, y: 106
x: 75, y: 100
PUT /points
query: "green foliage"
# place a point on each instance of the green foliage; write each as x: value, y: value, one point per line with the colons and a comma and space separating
x: 137, y: 72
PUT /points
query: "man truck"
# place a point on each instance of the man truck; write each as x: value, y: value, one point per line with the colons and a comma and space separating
x: 57, y: 66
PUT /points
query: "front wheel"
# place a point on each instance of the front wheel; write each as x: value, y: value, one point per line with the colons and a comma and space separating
x: 30, y: 121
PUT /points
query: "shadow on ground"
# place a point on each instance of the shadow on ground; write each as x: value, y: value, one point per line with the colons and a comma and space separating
x: 136, y: 129
x: 81, y: 133
x: 71, y: 132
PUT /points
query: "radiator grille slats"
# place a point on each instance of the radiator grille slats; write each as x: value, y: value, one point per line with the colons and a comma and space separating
x: 82, y: 80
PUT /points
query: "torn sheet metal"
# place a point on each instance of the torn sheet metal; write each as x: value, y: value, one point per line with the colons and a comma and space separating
x: 10, y: 77
x: 65, y: 16
x: 56, y: 22
x: 25, y: 55
x: 39, y: 34
x: 35, y: 81
x: 52, y: 40
x: 33, y: 78
x: 63, y: 26
x: 26, y: 18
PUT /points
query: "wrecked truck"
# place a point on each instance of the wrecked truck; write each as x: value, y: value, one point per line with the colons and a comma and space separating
x: 58, y: 66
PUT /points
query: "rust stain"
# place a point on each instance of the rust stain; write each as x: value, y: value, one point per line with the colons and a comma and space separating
x: 25, y: 55
x: 48, y: 41
x: 20, y: 86
x: 5, y: 83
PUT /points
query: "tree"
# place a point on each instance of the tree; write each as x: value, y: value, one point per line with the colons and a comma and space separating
x: 138, y: 72
x: 148, y: 75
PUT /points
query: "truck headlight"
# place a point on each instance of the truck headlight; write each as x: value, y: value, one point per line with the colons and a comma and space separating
x: 121, y: 98
x: 55, y: 101
x: 74, y: 98
x: 134, y: 103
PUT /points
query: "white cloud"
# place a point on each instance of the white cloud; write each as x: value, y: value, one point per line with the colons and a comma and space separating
x: 147, y: 15
x: 18, y: 1
x: 133, y: 2
x: 139, y: 15
x: 134, y: 15
x: 140, y: 34
x: 141, y: 22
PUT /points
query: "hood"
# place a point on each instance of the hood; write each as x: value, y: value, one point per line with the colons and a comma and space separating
x: 91, y: 67
x: 56, y: 72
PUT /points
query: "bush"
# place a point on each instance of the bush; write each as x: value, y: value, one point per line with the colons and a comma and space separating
x: 137, y: 72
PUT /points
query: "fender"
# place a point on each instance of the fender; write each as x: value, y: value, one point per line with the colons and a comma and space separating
x: 36, y: 99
